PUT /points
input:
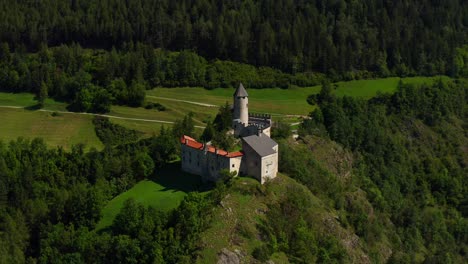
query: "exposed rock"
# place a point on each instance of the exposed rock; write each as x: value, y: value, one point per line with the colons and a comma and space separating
x: 228, y: 257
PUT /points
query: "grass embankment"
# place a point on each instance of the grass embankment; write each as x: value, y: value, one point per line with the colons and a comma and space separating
x: 285, y: 101
x: 164, y: 191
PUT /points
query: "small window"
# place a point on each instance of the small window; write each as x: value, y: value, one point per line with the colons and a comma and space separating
x: 233, y: 165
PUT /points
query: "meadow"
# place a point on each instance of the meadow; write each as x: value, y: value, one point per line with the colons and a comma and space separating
x: 164, y: 191
x: 20, y: 118
x: 60, y: 130
x: 67, y: 129
x: 285, y: 101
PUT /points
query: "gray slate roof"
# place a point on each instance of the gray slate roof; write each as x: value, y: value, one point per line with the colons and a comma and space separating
x: 263, y: 144
x: 241, y: 92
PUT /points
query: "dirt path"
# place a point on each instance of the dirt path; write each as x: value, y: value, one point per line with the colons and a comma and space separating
x: 211, y: 105
x: 183, y: 101
x: 103, y: 115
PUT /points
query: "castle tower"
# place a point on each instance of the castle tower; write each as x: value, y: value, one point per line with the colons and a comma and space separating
x: 241, y: 105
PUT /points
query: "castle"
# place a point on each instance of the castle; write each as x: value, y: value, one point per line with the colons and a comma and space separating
x: 258, y: 157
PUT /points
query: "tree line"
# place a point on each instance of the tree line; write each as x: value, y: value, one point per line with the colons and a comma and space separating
x: 93, y: 80
x: 341, y: 37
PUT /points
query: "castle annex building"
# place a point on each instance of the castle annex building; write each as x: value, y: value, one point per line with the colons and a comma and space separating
x: 258, y: 157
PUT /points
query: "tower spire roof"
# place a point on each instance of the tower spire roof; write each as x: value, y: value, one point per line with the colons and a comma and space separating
x: 241, y: 92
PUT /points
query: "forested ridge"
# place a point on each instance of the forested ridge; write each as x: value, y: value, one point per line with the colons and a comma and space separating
x: 410, y: 152
x: 342, y: 36
x: 393, y: 175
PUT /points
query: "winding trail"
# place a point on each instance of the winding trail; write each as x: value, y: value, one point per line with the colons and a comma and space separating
x: 147, y: 120
x: 103, y: 115
x: 183, y: 101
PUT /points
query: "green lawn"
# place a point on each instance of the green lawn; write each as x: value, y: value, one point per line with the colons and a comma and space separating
x: 165, y: 192
x: 285, y: 101
x: 63, y: 130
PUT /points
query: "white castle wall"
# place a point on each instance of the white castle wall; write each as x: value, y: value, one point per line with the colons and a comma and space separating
x: 207, y: 164
x: 269, y: 167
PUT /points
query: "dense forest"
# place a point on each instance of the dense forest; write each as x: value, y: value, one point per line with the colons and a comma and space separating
x: 335, y: 37
x: 51, y: 201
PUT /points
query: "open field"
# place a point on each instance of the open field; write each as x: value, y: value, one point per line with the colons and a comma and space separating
x: 284, y: 101
x: 164, y: 192
x: 68, y: 129
x: 175, y: 110
x: 61, y: 130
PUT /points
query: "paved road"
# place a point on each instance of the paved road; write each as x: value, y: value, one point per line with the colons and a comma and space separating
x: 109, y: 116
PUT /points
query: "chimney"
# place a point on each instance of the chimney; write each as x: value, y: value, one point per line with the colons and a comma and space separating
x: 186, y: 141
x: 216, y: 151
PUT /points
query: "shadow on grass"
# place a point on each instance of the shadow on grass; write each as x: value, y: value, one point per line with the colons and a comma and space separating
x: 172, y: 178
x: 33, y: 107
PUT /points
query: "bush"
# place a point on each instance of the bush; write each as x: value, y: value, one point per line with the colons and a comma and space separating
x: 262, y: 253
x: 156, y: 106
x: 112, y: 134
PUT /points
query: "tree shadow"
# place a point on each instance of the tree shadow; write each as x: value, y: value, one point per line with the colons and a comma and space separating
x: 33, y: 107
x: 172, y: 178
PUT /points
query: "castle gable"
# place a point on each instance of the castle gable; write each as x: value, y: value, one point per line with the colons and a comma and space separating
x: 261, y: 144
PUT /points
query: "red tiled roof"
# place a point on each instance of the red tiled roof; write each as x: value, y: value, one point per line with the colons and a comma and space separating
x: 188, y: 141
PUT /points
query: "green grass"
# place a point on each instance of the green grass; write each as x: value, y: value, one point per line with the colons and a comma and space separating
x: 71, y: 129
x: 275, y: 101
x: 63, y: 130
x: 369, y: 88
x: 148, y: 128
x: 165, y: 192
x: 27, y: 100
x: 285, y: 101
